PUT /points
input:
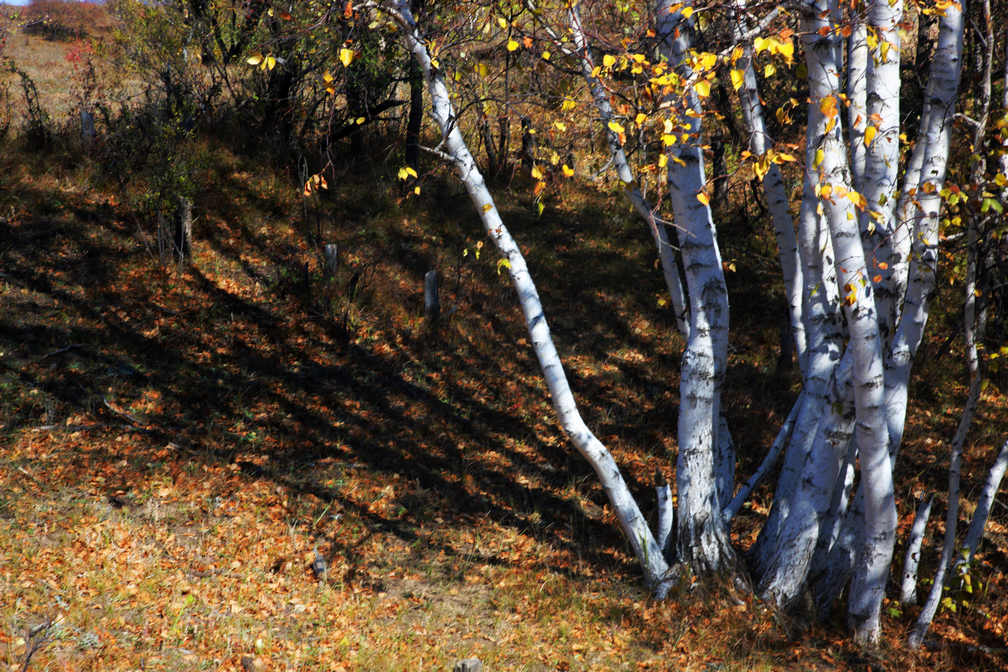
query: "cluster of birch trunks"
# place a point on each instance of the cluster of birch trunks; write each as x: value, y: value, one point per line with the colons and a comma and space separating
x: 858, y: 274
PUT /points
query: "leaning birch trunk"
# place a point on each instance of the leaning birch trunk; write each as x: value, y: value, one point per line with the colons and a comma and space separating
x: 702, y: 540
x: 632, y: 522
x: 658, y: 228
x: 775, y: 193
x: 908, y: 589
x: 979, y: 521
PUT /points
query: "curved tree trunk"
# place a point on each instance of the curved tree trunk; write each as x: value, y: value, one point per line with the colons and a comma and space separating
x: 632, y: 522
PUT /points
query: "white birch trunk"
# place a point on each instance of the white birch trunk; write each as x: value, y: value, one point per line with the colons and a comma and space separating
x: 857, y: 95
x: 768, y: 463
x: 908, y: 589
x: 702, y: 540
x: 666, y: 515
x: 882, y: 154
x: 823, y: 352
x: 658, y: 228
x: 632, y: 522
x: 874, y: 557
x: 982, y: 513
x: 925, y: 206
x: 775, y: 193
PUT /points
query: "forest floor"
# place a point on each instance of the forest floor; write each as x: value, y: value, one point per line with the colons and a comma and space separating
x: 177, y: 443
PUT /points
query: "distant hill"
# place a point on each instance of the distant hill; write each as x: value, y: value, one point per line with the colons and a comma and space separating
x: 57, y: 20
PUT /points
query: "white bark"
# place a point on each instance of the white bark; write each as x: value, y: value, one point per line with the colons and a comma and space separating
x: 874, y: 556
x: 908, y: 589
x: 823, y: 352
x: 628, y: 514
x: 945, y: 80
x: 882, y: 154
x: 702, y: 539
x: 666, y: 515
x: 857, y: 95
x: 982, y: 513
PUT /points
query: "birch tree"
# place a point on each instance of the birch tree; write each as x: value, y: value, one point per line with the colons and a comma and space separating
x: 858, y: 252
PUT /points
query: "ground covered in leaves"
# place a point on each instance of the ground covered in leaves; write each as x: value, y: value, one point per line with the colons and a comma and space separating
x: 178, y: 445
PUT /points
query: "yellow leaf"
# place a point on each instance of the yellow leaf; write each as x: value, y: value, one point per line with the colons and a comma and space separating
x: 482, y: 70
x: 360, y: 121
x: 254, y: 60
x: 487, y: 207
x: 869, y: 135
x: 567, y: 170
x: 346, y: 56
x: 820, y: 156
x: 567, y: 105
x: 501, y: 22
x: 270, y: 62
x: 737, y: 79
x: 786, y: 49
x: 615, y: 127
x: 536, y: 173
x: 416, y: 190
x: 608, y: 61
x: 828, y: 106
x: 702, y: 88
x: 546, y: 55
x: 512, y: 44
x: 760, y: 44
x: 769, y: 69
x: 687, y: 12
x: 327, y: 76
x: 560, y: 126
x: 668, y: 139
x: 640, y: 118
x: 662, y: 160
x: 502, y: 263
x: 708, y: 60
x: 702, y: 197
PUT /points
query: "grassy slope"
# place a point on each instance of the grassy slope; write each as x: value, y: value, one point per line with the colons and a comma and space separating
x: 174, y: 445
